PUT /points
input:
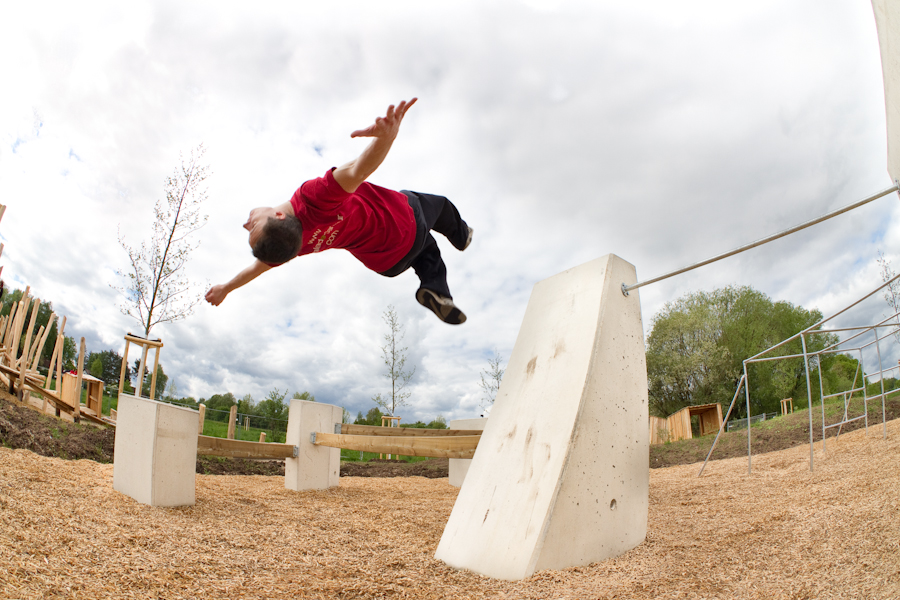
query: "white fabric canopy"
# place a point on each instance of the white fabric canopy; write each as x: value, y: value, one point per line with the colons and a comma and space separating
x: 887, y: 18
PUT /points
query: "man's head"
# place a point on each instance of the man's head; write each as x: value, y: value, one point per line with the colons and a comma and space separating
x: 275, y: 237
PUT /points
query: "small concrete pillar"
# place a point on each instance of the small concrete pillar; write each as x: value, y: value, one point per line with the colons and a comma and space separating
x: 460, y: 466
x: 316, y: 467
x: 156, y: 452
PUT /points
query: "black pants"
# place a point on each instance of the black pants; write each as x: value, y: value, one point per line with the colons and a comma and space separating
x: 432, y: 213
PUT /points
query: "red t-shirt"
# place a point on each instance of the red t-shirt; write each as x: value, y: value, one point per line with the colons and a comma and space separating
x: 374, y: 223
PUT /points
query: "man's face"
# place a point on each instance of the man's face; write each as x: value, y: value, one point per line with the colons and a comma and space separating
x: 256, y: 222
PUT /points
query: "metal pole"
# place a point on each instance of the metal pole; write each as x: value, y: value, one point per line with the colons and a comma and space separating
x: 881, y: 380
x: 822, y: 399
x: 808, y: 400
x: 725, y: 420
x: 747, y: 395
x: 634, y: 286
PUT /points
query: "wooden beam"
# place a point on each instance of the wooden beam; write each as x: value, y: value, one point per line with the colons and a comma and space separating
x: 143, y: 341
x: 78, y: 377
x: 202, y: 419
x: 153, y: 377
x: 462, y: 446
x: 348, y: 429
x: 215, y: 446
x: 232, y: 416
x: 124, y: 368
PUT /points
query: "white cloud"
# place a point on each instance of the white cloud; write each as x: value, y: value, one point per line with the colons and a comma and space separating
x: 663, y: 132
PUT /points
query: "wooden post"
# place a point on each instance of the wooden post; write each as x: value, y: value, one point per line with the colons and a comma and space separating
x: 262, y: 436
x: 153, y: 377
x: 28, y: 333
x: 59, y: 360
x: 202, y: 418
x: 232, y: 416
x: 390, y: 423
x: 77, y: 412
x: 112, y: 414
x: 139, y: 382
x: 40, y: 350
x: 124, y: 368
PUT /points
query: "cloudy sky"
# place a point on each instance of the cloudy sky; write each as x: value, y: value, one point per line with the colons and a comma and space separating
x: 662, y: 131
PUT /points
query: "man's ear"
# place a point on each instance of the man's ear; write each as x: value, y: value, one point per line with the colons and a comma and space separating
x: 280, y: 215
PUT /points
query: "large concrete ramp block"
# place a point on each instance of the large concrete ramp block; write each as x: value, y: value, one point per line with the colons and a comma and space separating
x: 316, y: 467
x: 155, y: 459
x: 460, y: 466
x: 561, y: 475
x: 887, y: 19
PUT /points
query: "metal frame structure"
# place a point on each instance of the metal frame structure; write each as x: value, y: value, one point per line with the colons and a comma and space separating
x: 808, y: 357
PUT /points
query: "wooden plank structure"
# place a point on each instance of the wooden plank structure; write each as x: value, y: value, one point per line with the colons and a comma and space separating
x: 215, y: 446
x: 678, y: 425
x: 145, y: 345
x: 348, y: 429
x: 787, y: 406
x: 432, y: 446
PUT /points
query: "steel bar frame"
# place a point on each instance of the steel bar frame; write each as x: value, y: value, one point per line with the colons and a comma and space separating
x: 806, y: 355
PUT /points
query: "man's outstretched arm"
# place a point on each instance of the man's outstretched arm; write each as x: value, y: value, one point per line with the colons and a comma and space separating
x: 384, y: 131
x: 217, y: 293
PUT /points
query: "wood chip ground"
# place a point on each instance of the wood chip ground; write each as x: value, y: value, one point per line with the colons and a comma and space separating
x: 781, y: 532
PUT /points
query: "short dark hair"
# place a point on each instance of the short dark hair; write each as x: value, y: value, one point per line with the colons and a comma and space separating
x: 280, y: 240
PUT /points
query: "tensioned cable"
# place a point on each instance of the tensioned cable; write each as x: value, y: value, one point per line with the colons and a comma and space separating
x: 634, y: 286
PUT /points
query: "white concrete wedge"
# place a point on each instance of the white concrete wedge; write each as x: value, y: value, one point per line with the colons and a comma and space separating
x: 561, y: 476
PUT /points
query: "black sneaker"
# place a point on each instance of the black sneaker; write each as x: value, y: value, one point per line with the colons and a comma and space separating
x: 468, y: 239
x: 442, y: 306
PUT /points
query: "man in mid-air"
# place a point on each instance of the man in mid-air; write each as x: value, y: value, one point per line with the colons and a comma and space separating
x: 387, y: 231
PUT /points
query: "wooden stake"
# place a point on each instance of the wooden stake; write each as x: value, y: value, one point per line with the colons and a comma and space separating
x: 40, y: 350
x: 232, y: 416
x: 78, y: 381
x: 30, y: 330
x: 139, y: 382
x: 202, y: 418
x: 153, y: 377
x: 124, y: 368
x: 262, y: 437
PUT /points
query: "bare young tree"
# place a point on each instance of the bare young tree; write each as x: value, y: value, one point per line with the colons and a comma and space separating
x: 490, y: 380
x: 395, y: 359
x: 156, y: 288
x: 892, y: 291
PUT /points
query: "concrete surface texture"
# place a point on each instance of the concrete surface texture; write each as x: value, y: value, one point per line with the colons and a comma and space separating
x: 887, y: 19
x: 316, y: 467
x: 460, y: 466
x: 561, y: 475
x: 155, y: 458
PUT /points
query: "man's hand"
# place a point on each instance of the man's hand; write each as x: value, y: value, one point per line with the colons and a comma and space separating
x: 216, y: 294
x: 388, y: 125
x: 384, y: 130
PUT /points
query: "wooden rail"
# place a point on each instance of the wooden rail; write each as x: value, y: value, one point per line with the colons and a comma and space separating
x: 347, y: 429
x: 214, y: 446
x: 453, y: 446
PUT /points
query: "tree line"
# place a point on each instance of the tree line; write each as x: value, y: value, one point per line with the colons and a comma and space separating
x: 697, y: 345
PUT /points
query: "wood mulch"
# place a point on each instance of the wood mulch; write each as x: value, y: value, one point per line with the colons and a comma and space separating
x: 781, y: 532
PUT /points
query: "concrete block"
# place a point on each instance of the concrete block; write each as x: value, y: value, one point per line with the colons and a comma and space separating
x: 561, y: 475
x: 316, y: 467
x: 156, y: 452
x: 460, y: 466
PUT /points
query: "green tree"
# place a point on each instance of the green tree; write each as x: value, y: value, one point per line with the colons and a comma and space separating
x: 394, y: 355
x: 110, y: 367
x: 275, y: 411
x: 373, y: 417
x: 697, y: 345
x: 161, y: 379
x: 218, y: 406
x: 303, y: 396
x: 156, y: 289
